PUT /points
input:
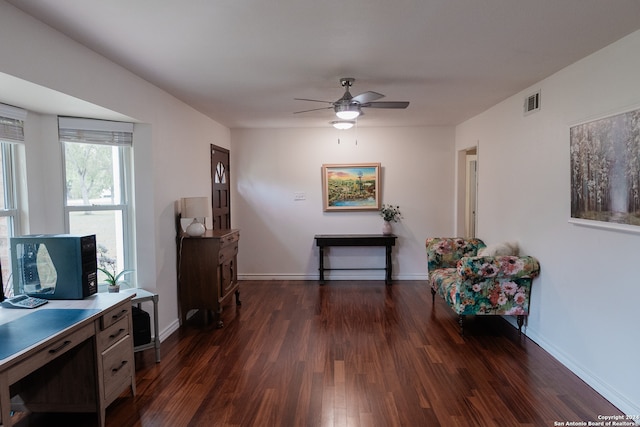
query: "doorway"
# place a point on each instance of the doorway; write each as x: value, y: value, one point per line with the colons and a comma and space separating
x: 470, y: 191
x: 220, y: 188
x: 467, y: 196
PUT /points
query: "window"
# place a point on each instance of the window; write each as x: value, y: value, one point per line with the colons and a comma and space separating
x: 97, y: 173
x: 11, y: 132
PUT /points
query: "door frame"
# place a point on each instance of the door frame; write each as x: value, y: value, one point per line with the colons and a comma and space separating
x: 467, y: 192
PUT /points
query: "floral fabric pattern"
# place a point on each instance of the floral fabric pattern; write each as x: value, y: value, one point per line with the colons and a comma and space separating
x: 480, y: 285
x: 498, y: 267
x: 445, y: 252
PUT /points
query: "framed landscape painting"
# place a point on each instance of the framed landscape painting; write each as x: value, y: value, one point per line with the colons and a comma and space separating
x: 349, y: 187
x: 605, y: 171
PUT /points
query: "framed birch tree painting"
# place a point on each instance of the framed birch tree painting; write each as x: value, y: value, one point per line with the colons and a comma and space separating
x: 605, y: 171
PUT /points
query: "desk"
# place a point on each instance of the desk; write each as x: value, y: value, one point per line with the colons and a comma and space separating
x: 140, y: 296
x: 327, y: 240
x: 81, y: 365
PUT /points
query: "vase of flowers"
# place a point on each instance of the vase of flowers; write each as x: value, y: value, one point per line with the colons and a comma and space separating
x: 389, y: 213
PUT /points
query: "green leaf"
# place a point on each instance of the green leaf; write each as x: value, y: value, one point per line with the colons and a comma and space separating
x: 122, y: 273
x: 111, y: 279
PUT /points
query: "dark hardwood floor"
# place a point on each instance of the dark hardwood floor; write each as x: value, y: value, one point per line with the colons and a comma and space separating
x: 347, y: 354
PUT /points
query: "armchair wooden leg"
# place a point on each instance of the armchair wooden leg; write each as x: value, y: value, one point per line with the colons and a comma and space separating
x: 433, y: 296
x: 520, y: 319
x: 461, y: 323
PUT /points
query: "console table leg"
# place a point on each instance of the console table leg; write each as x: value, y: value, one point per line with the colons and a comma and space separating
x: 321, y: 267
x: 388, y: 264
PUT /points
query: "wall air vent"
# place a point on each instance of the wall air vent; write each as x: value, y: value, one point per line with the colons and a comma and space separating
x: 532, y: 103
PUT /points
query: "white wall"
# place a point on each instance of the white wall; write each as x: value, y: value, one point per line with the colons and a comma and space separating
x: 171, y: 144
x: 584, y: 305
x: 269, y: 166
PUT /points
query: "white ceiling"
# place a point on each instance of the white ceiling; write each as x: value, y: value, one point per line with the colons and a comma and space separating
x: 242, y: 62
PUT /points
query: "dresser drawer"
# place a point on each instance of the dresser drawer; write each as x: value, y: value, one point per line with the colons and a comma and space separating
x: 117, y: 367
x: 229, y: 239
x: 114, y: 315
x: 50, y: 352
x: 113, y: 333
x: 227, y: 253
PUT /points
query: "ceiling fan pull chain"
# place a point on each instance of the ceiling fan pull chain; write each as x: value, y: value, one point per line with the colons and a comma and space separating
x: 356, y: 132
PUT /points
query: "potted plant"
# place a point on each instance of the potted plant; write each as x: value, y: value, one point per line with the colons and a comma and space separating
x: 108, y: 267
x: 389, y: 213
x: 114, y: 280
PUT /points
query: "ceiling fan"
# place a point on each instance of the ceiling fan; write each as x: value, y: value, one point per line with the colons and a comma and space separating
x: 350, y: 107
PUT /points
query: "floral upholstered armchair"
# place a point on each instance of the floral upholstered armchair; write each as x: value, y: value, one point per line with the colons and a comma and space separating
x: 479, y: 285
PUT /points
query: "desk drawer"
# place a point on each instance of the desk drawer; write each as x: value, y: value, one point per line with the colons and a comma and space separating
x: 50, y: 352
x: 113, y: 333
x: 114, y: 315
x: 117, y: 367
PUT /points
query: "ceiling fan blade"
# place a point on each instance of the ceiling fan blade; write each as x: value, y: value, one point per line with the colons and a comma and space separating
x: 312, y: 100
x: 386, y: 104
x: 366, y: 97
x: 314, y: 109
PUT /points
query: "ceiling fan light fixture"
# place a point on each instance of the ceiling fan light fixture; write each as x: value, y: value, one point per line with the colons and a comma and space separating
x: 343, y: 124
x: 347, y: 112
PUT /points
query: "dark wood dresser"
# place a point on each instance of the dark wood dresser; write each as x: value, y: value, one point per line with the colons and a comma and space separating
x: 207, y: 271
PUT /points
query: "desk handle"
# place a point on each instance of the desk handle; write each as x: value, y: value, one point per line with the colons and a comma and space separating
x: 60, y: 347
x: 119, y: 315
x: 114, y: 370
x: 112, y: 336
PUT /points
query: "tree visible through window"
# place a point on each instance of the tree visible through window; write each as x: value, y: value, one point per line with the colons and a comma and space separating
x: 89, y: 172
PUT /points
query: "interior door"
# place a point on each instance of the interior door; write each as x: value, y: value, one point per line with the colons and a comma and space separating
x: 220, y: 188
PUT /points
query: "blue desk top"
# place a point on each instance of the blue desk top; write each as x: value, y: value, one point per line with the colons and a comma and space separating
x: 27, y: 330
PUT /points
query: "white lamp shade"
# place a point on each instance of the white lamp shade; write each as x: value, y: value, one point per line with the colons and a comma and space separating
x: 195, y: 207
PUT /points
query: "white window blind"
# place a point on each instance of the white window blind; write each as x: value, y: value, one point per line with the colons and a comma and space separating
x: 73, y: 129
x: 12, y: 123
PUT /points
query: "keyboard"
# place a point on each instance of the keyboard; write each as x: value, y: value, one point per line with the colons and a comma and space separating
x: 23, y: 301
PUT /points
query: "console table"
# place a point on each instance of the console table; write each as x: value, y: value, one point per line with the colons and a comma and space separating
x: 326, y: 240
x: 66, y: 356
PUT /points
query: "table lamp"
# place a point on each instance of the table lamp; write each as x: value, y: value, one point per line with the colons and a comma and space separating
x: 196, y: 208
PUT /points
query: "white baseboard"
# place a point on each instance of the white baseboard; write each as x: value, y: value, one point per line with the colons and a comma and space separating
x: 605, y: 390
x: 166, y: 332
x: 330, y: 276
x: 277, y: 276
